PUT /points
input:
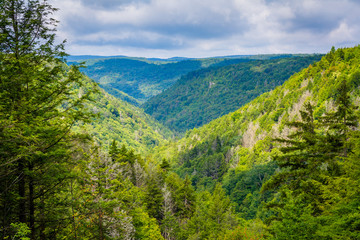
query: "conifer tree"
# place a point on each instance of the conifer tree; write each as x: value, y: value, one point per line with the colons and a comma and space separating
x: 300, y: 155
x: 185, y: 199
x: 114, y: 150
x: 340, y: 122
x: 38, y: 108
x: 313, y: 163
x: 154, y: 199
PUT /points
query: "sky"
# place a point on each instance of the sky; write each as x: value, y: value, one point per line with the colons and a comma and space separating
x: 206, y: 28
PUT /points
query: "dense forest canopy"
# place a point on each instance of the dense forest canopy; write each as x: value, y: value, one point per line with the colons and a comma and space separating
x: 77, y: 163
x: 204, y: 95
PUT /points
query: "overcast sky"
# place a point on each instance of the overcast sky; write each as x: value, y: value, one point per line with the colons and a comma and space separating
x: 204, y: 28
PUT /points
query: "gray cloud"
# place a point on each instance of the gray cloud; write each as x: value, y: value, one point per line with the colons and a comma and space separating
x: 320, y: 16
x: 111, y: 4
x: 207, y: 27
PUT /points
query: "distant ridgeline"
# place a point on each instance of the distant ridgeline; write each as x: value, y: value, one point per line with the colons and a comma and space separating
x: 135, y: 80
x: 203, y: 95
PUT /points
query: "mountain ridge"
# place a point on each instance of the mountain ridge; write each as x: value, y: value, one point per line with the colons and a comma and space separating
x: 203, y: 95
x: 242, y: 139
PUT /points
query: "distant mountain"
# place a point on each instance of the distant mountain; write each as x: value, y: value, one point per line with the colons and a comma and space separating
x: 206, y: 94
x: 72, y: 58
x: 140, y: 79
x: 143, y: 78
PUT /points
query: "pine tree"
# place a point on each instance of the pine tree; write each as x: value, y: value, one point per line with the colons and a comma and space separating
x: 213, y: 216
x: 185, y: 199
x: 313, y: 172
x: 114, y: 150
x: 340, y: 122
x: 300, y: 158
x: 154, y: 198
x: 38, y: 107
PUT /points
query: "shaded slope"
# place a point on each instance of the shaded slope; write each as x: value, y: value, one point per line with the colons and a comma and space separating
x: 204, y: 95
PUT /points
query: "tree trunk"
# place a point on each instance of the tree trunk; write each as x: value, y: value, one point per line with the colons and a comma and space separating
x: 42, y: 220
x: 21, y: 191
x: 31, y: 204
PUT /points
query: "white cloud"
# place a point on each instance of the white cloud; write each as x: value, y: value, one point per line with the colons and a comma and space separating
x: 165, y: 28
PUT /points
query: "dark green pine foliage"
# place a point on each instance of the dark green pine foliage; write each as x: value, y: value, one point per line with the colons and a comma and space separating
x: 113, y: 150
x: 243, y: 188
x: 127, y: 160
x: 213, y: 216
x: 38, y: 108
x: 299, y: 158
x: 343, y: 218
x: 313, y: 164
x: 154, y: 198
x: 185, y: 199
x: 165, y: 166
x: 340, y: 122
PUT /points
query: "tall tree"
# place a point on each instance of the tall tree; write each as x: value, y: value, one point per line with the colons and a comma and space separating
x: 300, y: 153
x: 341, y: 122
x: 38, y: 107
x: 312, y: 166
x: 185, y: 199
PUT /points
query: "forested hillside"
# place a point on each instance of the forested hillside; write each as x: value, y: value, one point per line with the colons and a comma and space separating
x: 307, y: 129
x: 137, y: 79
x: 284, y: 166
x: 237, y: 135
x: 121, y: 121
x: 207, y: 94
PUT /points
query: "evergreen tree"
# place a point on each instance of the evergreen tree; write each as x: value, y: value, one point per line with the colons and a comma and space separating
x: 300, y: 155
x: 340, y: 122
x: 213, y: 216
x: 313, y: 164
x: 114, y: 150
x: 38, y: 108
x: 154, y: 198
x: 165, y: 166
x: 185, y: 199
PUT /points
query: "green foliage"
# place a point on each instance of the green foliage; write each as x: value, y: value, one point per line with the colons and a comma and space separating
x: 153, y: 198
x: 21, y: 230
x: 243, y: 188
x: 121, y: 121
x: 185, y: 199
x: 312, y: 173
x: 213, y: 216
x: 204, y: 95
x: 137, y: 78
x: 253, y: 232
x: 38, y: 107
x: 147, y: 228
x: 297, y: 221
